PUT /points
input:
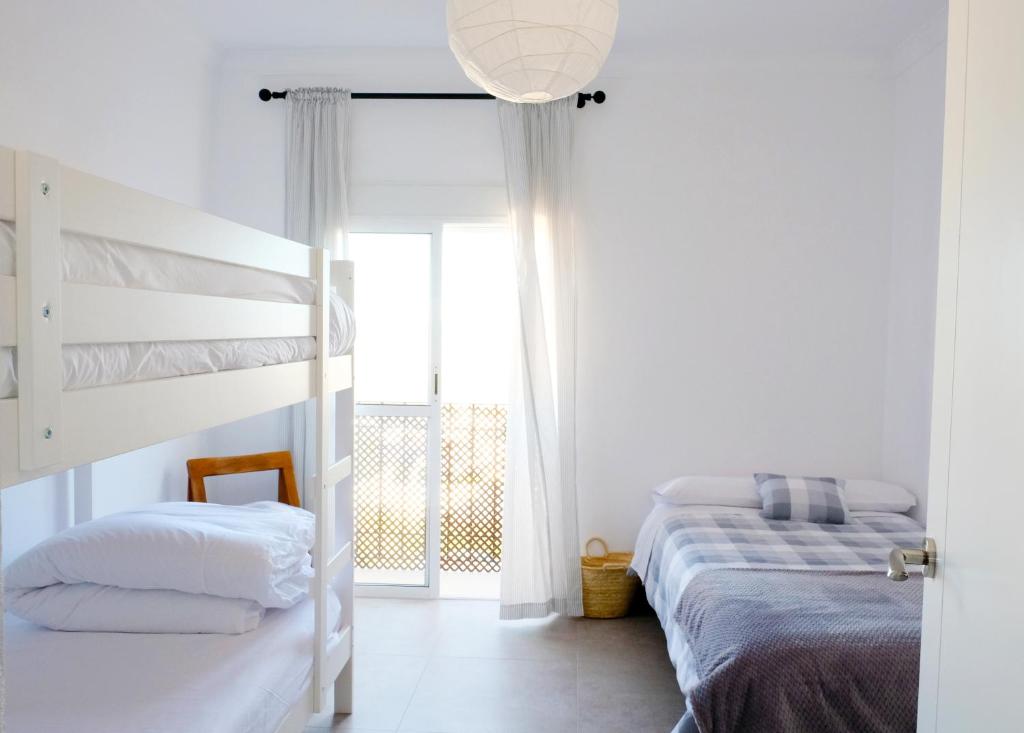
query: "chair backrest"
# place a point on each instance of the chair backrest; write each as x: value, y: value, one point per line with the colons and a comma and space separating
x: 280, y: 461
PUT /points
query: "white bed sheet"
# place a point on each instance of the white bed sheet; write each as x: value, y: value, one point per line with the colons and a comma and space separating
x: 59, y: 681
x: 117, y: 264
x: 95, y: 365
x: 99, y: 261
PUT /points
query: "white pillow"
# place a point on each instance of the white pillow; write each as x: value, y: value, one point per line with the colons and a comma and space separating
x: 257, y: 552
x: 738, y: 491
x: 862, y: 495
x: 869, y: 495
x: 91, y: 607
x: 740, y: 511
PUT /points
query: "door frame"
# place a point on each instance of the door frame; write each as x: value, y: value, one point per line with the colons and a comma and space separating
x: 434, y: 227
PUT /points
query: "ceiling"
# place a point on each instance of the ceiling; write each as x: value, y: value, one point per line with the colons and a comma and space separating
x: 658, y: 26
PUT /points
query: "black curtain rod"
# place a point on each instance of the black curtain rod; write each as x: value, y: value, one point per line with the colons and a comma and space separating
x: 581, y: 99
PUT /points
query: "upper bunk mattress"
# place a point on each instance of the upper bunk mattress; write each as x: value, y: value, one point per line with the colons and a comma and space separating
x: 98, y: 261
x: 60, y: 681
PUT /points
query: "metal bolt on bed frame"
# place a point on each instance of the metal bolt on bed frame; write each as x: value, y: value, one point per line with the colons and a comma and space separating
x: 46, y: 311
x: 45, y: 188
x: 48, y: 433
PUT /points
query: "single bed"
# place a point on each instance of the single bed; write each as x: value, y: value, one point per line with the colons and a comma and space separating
x: 97, y: 261
x: 732, y: 547
x: 59, y: 681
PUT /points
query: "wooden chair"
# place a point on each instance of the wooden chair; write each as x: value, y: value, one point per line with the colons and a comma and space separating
x: 280, y: 461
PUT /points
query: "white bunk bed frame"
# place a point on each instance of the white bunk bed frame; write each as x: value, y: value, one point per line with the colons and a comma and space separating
x: 45, y: 430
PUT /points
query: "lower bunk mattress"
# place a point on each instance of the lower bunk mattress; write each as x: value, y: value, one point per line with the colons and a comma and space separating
x: 59, y: 681
x: 98, y: 261
x: 780, y: 625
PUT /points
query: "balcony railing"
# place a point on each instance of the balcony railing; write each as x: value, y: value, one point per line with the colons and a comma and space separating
x: 390, y: 489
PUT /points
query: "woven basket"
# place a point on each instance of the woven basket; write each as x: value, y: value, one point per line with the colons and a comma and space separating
x: 607, y: 588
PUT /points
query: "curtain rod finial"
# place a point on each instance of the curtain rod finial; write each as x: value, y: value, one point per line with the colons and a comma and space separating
x: 266, y: 95
x: 597, y: 97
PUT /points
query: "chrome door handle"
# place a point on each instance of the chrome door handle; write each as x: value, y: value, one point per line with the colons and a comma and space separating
x: 900, y: 557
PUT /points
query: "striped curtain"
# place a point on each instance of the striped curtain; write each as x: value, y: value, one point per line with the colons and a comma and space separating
x: 316, y: 212
x: 540, y: 538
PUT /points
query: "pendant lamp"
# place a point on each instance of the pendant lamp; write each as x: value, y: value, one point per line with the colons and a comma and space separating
x: 532, y: 50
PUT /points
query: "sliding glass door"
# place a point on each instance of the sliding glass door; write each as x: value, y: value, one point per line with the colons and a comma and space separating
x: 430, y: 448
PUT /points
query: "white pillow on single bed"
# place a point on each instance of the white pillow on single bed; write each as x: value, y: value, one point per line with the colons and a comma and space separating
x: 258, y: 552
x: 91, y: 607
x: 742, y: 511
x: 862, y: 495
x: 737, y: 491
x: 869, y: 495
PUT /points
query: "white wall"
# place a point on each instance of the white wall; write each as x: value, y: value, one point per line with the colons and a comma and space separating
x: 918, y: 93
x: 734, y: 246
x: 122, y: 89
x: 758, y: 245
x: 733, y: 266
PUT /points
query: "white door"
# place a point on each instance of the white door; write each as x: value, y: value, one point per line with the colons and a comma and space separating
x: 972, y: 662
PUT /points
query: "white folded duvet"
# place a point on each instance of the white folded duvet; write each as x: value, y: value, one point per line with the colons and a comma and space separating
x: 178, y: 567
x: 92, y: 607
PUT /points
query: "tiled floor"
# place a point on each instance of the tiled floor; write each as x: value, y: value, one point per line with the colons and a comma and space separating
x: 452, y: 667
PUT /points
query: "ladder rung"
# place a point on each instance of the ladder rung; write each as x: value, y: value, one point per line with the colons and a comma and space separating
x: 336, y: 655
x: 342, y: 559
x: 339, y: 472
x: 339, y: 373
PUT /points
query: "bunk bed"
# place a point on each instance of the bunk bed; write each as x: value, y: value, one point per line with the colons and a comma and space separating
x: 55, y: 324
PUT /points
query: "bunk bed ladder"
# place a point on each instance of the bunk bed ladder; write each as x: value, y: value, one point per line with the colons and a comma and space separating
x: 333, y: 650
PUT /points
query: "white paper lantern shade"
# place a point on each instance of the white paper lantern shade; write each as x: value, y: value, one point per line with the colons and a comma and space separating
x: 532, y: 50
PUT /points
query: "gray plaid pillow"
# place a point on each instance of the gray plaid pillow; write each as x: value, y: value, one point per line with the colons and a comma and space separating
x: 803, y: 499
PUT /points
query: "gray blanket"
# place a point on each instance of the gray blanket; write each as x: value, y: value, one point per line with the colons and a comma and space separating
x: 795, y: 651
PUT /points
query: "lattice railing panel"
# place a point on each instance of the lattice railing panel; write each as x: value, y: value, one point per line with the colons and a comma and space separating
x: 391, y: 489
x: 472, y: 486
x: 390, y: 471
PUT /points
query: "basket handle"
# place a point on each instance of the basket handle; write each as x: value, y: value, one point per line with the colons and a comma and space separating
x: 615, y: 566
x: 603, y: 544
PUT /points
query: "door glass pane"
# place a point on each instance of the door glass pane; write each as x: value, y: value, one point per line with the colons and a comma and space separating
x: 393, y: 310
x: 392, y: 363
x: 390, y: 465
x: 477, y: 315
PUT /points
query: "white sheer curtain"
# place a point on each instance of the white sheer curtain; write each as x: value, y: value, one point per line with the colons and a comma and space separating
x: 540, y: 540
x: 3, y: 677
x: 316, y: 209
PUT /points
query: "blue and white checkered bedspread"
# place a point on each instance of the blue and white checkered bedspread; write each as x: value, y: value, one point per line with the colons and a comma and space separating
x: 675, y: 544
